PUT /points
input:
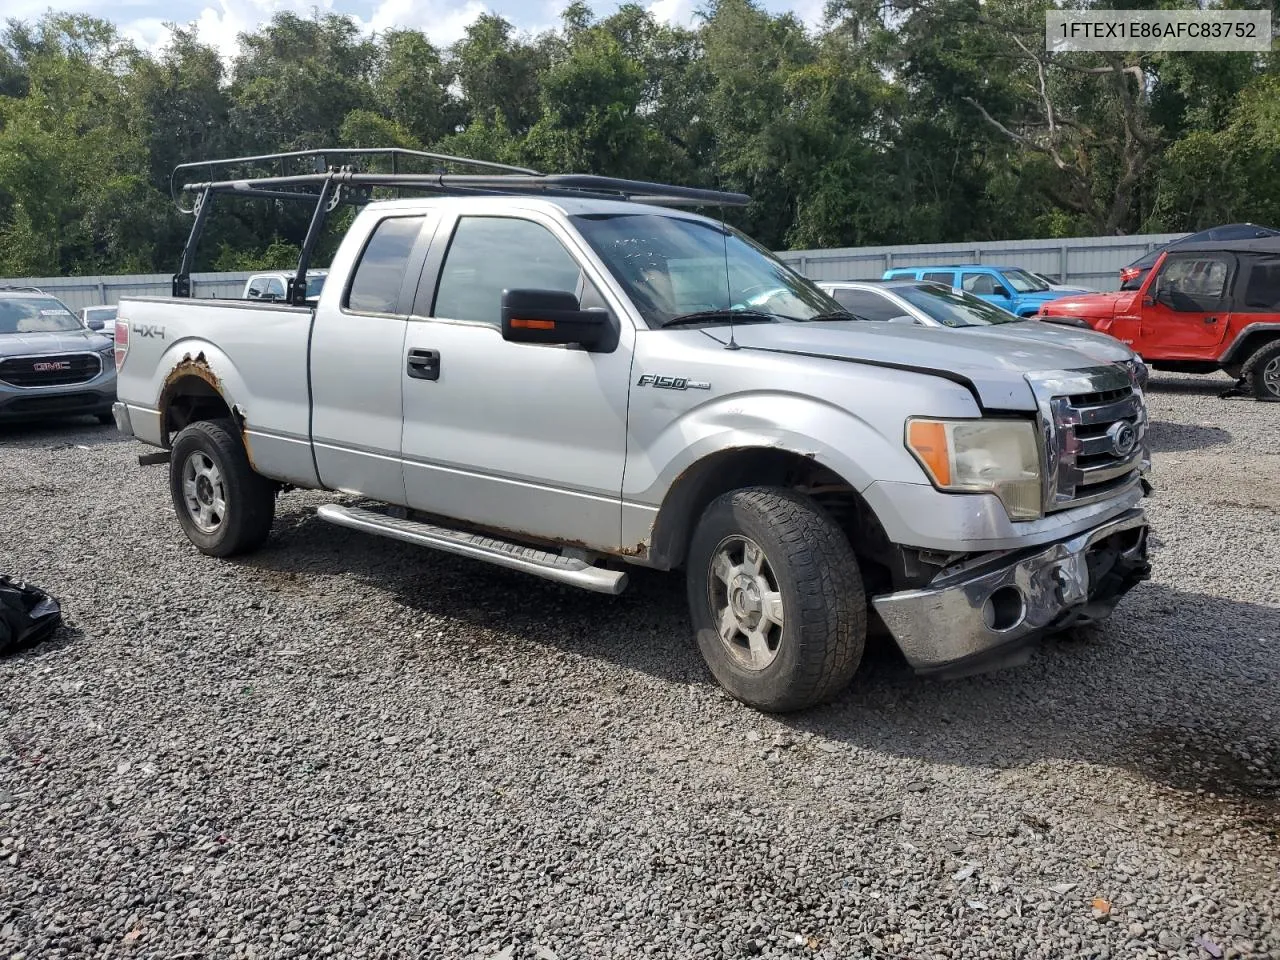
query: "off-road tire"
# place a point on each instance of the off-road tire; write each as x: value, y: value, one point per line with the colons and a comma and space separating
x: 1254, y: 372
x: 825, y: 614
x: 249, y: 497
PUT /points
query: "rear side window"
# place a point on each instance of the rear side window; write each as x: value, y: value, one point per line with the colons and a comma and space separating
x: 940, y: 276
x: 491, y: 254
x: 1263, y: 290
x: 375, y: 287
x: 866, y: 304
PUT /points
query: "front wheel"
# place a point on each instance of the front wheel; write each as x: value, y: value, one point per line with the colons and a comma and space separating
x: 1262, y: 371
x: 223, y: 506
x: 776, y: 599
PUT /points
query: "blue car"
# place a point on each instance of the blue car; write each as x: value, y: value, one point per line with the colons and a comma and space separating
x: 1010, y: 288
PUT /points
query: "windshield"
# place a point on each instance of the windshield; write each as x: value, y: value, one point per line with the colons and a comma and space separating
x: 953, y: 308
x: 1024, y: 282
x: 672, y: 266
x: 36, y: 315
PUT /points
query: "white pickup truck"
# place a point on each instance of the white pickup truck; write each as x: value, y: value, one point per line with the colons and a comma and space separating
x: 537, y: 374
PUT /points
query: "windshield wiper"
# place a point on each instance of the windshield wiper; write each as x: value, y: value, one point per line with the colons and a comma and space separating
x: 835, y: 315
x: 745, y: 316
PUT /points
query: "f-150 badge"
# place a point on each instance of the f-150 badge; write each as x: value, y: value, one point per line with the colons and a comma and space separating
x: 671, y: 383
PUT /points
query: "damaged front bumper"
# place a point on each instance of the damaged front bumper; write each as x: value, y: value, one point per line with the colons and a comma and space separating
x: 986, y: 614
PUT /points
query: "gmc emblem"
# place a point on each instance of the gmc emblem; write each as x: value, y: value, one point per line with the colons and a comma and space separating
x: 48, y: 366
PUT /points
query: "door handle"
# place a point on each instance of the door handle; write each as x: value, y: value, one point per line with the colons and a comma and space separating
x: 424, y: 364
x: 1210, y: 319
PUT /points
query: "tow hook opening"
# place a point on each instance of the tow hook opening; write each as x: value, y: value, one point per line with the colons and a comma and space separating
x: 1004, y: 609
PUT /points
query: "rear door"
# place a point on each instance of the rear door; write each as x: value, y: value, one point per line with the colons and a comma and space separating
x: 518, y: 437
x: 357, y: 354
x: 945, y: 277
x: 1185, y: 313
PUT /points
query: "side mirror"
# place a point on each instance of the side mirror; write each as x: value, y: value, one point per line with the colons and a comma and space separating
x: 94, y: 324
x: 1001, y: 291
x: 550, y: 316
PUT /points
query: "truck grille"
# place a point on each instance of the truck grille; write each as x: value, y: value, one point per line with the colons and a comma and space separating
x: 55, y: 370
x: 1094, y: 429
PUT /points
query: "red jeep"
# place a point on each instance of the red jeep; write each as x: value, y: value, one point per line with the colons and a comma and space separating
x: 1203, y: 307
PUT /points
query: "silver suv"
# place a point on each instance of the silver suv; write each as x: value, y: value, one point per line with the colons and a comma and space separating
x: 51, y: 364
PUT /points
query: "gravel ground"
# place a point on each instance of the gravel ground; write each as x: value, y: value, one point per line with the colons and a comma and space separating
x: 346, y: 747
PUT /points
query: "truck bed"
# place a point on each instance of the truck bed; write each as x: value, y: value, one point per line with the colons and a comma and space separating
x: 254, y: 354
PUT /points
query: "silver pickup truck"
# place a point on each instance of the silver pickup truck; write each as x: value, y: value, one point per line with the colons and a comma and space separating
x: 548, y: 378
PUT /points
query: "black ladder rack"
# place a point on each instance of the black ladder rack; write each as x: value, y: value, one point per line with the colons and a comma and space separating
x: 333, y: 181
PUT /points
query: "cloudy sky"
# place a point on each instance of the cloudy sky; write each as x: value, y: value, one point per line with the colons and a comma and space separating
x: 220, y: 21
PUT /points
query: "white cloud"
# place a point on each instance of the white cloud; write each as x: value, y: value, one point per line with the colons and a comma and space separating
x: 441, y: 20
x: 148, y: 33
x: 676, y: 12
x: 221, y: 26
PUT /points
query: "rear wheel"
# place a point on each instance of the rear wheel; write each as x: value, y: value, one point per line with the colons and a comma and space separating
x: 224, y: 508
x: 776, y: 599
x: 106, y: 419
x: 1262, y: 371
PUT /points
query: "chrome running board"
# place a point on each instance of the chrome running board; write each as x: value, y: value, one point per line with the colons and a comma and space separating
x: 502, y: 553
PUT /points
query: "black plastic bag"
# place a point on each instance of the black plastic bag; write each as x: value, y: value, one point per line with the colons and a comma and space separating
x: 28, y: 615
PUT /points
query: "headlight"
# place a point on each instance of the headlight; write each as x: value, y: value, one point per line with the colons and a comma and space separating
x: 981, y: 456
x: 108, y: 358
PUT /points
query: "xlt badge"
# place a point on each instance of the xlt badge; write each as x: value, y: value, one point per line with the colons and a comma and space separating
x: 671, y: 383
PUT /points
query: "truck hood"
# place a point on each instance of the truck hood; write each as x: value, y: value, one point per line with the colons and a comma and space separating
x: 70, y: 341
x: 994, y: 364
x: 1091, y: 306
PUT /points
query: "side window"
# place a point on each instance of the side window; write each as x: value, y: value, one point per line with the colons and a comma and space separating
x: 868, y: 305
x: 940, y: 276
x: 1263, y: 290
x: 375, y: 287
x: 1185, y: 281
x: 275, y: 288
x: 979, y: 283
x: 490, y: 254
x: 256, y: 290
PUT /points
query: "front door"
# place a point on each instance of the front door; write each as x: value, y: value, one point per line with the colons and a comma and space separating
x: 989, y: 288
x: 518, y: 437
x: 1189, y: 303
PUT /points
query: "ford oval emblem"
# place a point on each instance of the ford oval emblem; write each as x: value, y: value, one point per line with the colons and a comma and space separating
x: 1123, y: 438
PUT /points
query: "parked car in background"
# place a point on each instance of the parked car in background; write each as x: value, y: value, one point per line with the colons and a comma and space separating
x: 1203, y: 307
x: 274, y: 286
x: 50, y: 363
x: 1011, y: 288
x: 100, y: 320
x: 1053, y: 284
x: 935, y: 305
x: 1131, y: 276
